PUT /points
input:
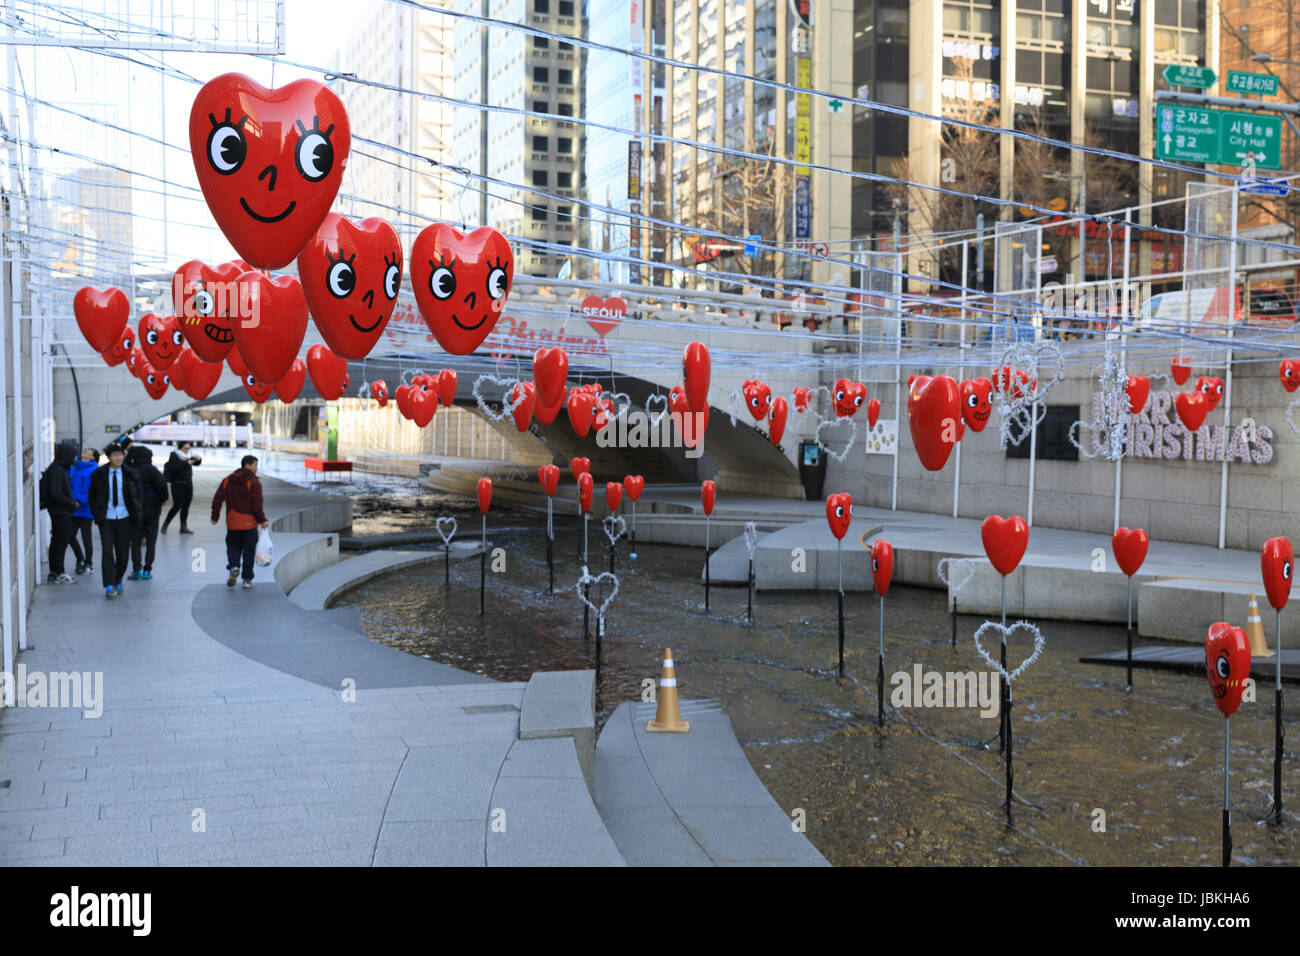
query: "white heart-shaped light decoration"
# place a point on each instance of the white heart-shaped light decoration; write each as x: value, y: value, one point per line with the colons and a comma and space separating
x: 824, y: 423
x: 1290, y: 420
x: 950, y: 572
x: 446, y: 521
x: 1006, y: 632
x: 656, y: 417
x: 734, y: 405
x: 507, y: 407
x: 751, y: 538
x: 595, y: 582
x: 614, y: 527
x: 1073, y: 436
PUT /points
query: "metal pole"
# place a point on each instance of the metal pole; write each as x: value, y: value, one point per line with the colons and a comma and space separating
x: 880, y: 669
x: 1002, y: 697
x: 1123, y: 345
x: 1227, y: 818
x: 1130, y: 633
x: 965, y: 280
x: 1277, y: 726
x: 19, y: 566
x: 898, y: 353
x: 482, y: 572
x: 6, y: 556
x: 706, y: 562
x: 839, y: 597
x: 1227, y: 373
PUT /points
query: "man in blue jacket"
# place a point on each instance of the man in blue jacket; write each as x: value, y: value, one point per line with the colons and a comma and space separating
x: 83, y: 523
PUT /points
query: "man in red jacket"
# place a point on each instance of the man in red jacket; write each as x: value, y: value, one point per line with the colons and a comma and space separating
x: 241, y: 493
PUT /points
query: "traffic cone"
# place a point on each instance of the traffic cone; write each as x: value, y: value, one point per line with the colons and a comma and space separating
x: 668, y: 715
x: 1255, y: 631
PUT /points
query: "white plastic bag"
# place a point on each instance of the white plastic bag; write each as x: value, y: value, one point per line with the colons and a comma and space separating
x: 265, y: 549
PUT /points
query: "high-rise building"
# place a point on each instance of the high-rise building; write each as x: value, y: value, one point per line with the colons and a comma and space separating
x: 508, y: 68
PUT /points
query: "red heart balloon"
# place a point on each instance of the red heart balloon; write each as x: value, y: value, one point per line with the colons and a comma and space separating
x: 177, y: 371
x: 603, y: 314
x: 776, y: 426
x: 613, y: 495
x: 268, y: 340
x: 446, y: 385
x: 708, y: 492
x: 690, y: 425
x: 634, y: 485
x: 1211, y: 388
x: 1180, y: 369
x: 1227, y: 665
x: 1289, y: 372
x: 135, y: 361
x: 269, y: 162
x: 549, y: 478
x: 403, y: 399
x: 580, y: 466
x: 328, y: 372
x: 550, y: 371
x: 155, y: 381
x: 351, y: 274
x: 695, y: 374
x: 585, y: 485
x: 1005, y: 540
x: 882, y: 565
x: 257, y: 391
x: 873, y: 412
x: 161, y: 339
x: 1276, y: 563
x: 581, y: 408
x: 934, y: 417
x: 1192, y: 409
x: 848, y: 397
x: 422, y: 404
x: 290, y: 385
x: 484, y: 494
x: 200, y: 377
x: 1130, y: 547
x: 976, y: 403
x: 801, y: 398
x: 379, y: 392
x: 839, y: 512
x: 235, y: 362
x: 119, y: 351
x: 758, y: 398
x: 1138, y: 388
x: 101, y: 316
x: 206, y: 301
x: 461, y: 283
x: 523, y: 412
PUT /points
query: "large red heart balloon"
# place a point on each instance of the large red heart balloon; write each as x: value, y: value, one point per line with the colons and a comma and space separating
x: 269, y: 162
x: 1227, y: 665
x: 696, y: 373
x: 206, y: 301
x: 177, y: 371
x: 1276, y: 563
x: 101, y: 316
x: 461, y: 283
x: 934, y: 417
x: 269, y: 338
x: 690, y: 425
x: 585, y: 485
x: 257, y: 391
x: 403, y: 399
x: 581, y: 408
x: 446, y: 385
x: 119, y: 351
x: 290, y: 386
x: 708, y: 492
x: 1289, y: 372
x: 422, y: 404
x: 1138, y: 388
x: 155, y: 381
x: 580, y: 466
x: 1130, y: 547
x: 200, y: 376
x: 550, y: 371
x: 976, y: 403
x: 161, y: 339
x: 379, y: 392
x: 873, y: 412
x: 1005, y: 540
x: 328, y: 372
x: 613, y: 495
x: 524, y: 398
x: 1180, y: 368
x: 1192, y: 409
x: 484, y: 494
x: 882, y: 565
x: 135, y: 361
x: 1211, y: 388
x: 235, y: 362
x: 848, y: 397
x: 758, y: 398
x: 776, y: 426
x: 839, y: 512
x: 634, y: 485
x: 549, y: 478
x: 351, y: 274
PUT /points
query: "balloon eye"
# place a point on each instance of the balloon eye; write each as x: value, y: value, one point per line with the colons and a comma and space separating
x: 972, y: 400
x: 150, y: 378
x: 392, y: 279
x: 1218, y: 389
x: 498, y: 283
x: 250, y: 381
x: 442, y: 283
x: 1223, y: 667
x: 314, y: 155
x: 857, y: 400
x: 226, y: 148
x: 1286, y: 570
x: 839, y: 396
x: 754, y: 401
x: 151, y: 337
x: 177, y: 339
x: 875, y: 565
x: 341, y: 280
x: 203, y: 302
x: 839, y: 511
x: 167, y: 379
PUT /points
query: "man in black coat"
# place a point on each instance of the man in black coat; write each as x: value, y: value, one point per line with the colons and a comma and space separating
x: 57, y: 499
x: 179, y: 472
x: 144, y: 535
x: 116, y: 503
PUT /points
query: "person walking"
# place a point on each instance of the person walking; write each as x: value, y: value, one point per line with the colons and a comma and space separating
x: 241, y: 493
x: 115, y: 503
x: 144, y: 535
x: 82, y: 522
x: 56, y: 498
x: 179, y: 472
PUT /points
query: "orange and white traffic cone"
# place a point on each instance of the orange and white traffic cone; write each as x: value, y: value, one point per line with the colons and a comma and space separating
x: 668, y: 713
x: 1255, y: 631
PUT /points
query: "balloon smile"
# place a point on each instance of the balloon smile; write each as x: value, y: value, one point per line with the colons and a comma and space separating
x: 248, y: 209
x: 370, y: 328
x: 980, y: 416
x: 218, y: 334
x: 468, y: 328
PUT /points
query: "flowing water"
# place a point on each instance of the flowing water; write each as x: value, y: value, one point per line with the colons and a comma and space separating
x: 1101, y: 776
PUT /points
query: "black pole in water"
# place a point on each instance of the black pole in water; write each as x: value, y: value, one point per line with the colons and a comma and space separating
x: 482, y: 572
x: 1129, y: 635
x: 611, y: 557
x: 749, y: 600
x: 839, y: 598
x: 954, y: 622
x: 1008, y: 723
x: 1002, y: 696
x: 880, y: 669
x: 446, y: 561
x: 706, y: 563
x: 586, y: 614
x: 1277, y: 728
x: 1227, y: 821
x: 550, y: 562
x: 600, y: 627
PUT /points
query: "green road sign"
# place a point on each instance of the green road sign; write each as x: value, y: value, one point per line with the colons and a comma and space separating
x: 1242, y: 133
x: 1260, y: 84
x: 1201, y: 77
x: 1186, y: 134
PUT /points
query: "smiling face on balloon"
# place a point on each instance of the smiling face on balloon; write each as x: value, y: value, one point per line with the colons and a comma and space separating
x: 848, y: 397
x: 161, y: 339
x: 1211, y: 388
x: 976, y: 403
x: 461, y: 283
x: 119, y: 351
x: 351, y: 274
